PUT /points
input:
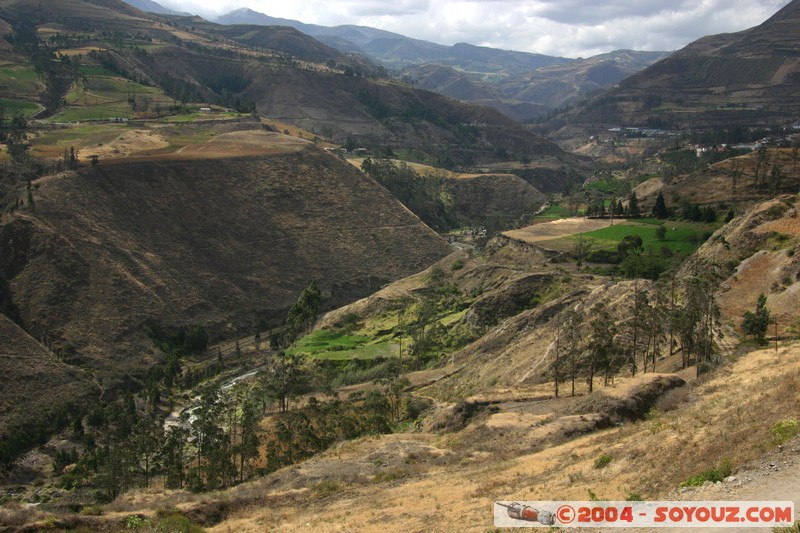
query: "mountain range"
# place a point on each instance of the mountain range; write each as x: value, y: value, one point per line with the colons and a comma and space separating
x: 174, y: 191
x: 154, y: 7
x: 522, y: 85
x: 750, y: 78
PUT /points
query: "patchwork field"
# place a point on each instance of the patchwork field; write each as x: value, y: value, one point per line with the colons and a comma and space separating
x: 560, y: 234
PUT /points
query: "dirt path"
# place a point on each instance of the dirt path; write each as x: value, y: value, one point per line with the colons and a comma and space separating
x: 775, y: 477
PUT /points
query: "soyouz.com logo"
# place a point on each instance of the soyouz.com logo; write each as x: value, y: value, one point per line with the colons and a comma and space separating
x: 643, y: 514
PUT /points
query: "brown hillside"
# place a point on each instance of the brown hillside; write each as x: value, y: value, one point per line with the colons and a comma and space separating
x: 493, y: 195
x: 78, y: 14
x: 26, y: 365
x: 385, y: 113
x: 226, y: 244
x: 748, y: 78
x: 762, y: 246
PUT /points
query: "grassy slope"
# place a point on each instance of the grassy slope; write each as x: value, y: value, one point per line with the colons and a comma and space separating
x: 326, y: 344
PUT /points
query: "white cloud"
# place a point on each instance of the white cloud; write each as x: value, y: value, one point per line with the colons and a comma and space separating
x: 569, y: 28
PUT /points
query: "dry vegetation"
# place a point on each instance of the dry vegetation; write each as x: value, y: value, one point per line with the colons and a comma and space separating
x: 446, y: 480
x: 496, y: 433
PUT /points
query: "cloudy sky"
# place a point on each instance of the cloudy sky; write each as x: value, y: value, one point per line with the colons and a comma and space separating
x: 568, y: 28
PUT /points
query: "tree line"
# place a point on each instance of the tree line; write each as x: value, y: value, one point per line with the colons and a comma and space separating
x: 668, y: 316
x: 221, y: 440
x: 424, y: 195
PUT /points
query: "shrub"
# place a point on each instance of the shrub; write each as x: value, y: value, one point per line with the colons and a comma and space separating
x: 348, y: 323
x: 785, y: 430
x: 136, y: 521
x: 714, y: 475
x: 602, y: 461
x: 327, y: 487
x: 361, y: 371
x: 458, y: 264
x: 415, y: 405
x: 603, y: 256
x: 177, y: 523
x: 672, y: 399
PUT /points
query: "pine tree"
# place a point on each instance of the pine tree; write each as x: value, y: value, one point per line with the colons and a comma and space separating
x: 660, y: 208
x: 633, y: 206
x: 756, y: 324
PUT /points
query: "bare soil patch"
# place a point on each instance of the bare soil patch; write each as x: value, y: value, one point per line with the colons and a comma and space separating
x: 559, y: 228
x: 127, y: 144
x: 243, y: 144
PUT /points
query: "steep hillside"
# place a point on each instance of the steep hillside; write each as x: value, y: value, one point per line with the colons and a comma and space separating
x: 29, y: 369
x: 77, y: 14
x: 740, y: 180
x: 531, y: 447
x: 227, y: 244
x: 747, y: 78
x: 486, y: 196
x: 760, y: 247
x: 496, y: 432
x: 390, y: 114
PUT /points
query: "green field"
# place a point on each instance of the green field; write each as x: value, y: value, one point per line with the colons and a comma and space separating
x: 20, y: 79
x: 50, y: 143
x: 326, y: 344
x: 14, y: 107
x: 678, y: 237
x: 653, y: 221
x: 554, y: 212
x: 107, y: 96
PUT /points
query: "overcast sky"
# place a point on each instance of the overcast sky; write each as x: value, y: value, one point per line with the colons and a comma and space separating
x: 567, y: 28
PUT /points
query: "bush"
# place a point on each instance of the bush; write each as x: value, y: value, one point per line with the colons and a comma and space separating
x: 714, y: 475
x: 136, y: 521
x: 603, y: 256
x: 348, y: 323
x: 326, y: 487
x: 785, y: 430
x: 644, y: 266
x: 602, y: 461
x: 177, y: 523
x: 362, y: 371
x: 415, y: 406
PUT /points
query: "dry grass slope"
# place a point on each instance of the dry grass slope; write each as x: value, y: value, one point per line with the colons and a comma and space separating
x: 224, y: 243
